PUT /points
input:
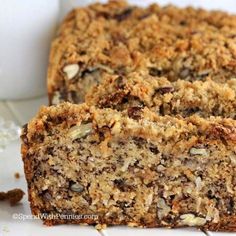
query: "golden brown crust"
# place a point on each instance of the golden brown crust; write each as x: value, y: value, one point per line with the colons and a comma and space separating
x: 115, y: 38
x: 185, y: 98
x: 214, y: 127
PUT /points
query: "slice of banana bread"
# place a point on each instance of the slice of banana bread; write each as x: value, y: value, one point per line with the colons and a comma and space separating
x: 116, y: 38
x: 185, y: 98
x: 98, y: 166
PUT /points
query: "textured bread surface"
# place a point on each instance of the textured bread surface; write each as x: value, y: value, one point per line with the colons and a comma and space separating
x: 185, y: 98
x: 151, y: 171
x: 104, y: 40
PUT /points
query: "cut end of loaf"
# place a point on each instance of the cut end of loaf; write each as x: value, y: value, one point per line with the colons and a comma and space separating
x: 119, y: 170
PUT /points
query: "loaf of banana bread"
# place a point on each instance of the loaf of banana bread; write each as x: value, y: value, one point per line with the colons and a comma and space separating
x: 99, y: 166
x: 116, y: 39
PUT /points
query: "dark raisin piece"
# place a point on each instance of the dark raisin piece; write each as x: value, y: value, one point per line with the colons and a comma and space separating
x: 153, y: 71
x: 84, y: 72
x: 123, y: 15
x: 183, y: 22
x: 154, y: 149
x: 168, y: 219
x: 103, y: 131
x: 139, y: 142
x: 113, y: 100
x: 162, y: 110
x: 117, y: 98
x: 136, y: 163
x: 230, y: 205
x: 47, y: 127
x: 38, y: 138
x: 120, y: 83
x: 210, y: 194
x: 49, y: 150
x: 165, y: 90
x: 121, y: 185
x: 58, y: 120
x: 134, y: 112
x: 190, y: 111
x: 83, y: 52
x: 151, y: 184
x: 49, y: 119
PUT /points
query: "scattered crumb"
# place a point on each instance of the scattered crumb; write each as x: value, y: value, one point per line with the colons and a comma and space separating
x: 100, y: 226
x: 3, y: 196
x: 17, y: 175
x: 13, y: 196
